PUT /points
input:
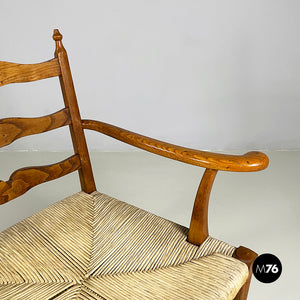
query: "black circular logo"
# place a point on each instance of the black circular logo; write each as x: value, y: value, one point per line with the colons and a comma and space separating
x: 267, y: 268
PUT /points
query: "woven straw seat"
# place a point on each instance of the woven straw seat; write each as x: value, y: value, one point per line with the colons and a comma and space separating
x: 92, y: 246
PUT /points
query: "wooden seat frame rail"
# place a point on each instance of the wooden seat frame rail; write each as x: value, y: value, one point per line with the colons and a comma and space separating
x: 24, y: 179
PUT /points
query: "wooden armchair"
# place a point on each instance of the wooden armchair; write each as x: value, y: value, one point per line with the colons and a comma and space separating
x: 92, y: 246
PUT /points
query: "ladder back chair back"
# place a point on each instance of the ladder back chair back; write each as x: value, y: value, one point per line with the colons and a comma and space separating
x: 14, y: 128
x: 197, y: 235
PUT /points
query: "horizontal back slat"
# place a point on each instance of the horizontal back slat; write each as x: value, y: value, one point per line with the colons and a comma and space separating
x: 26, y: 178
x: 12, y: 72
x: 15, y: 128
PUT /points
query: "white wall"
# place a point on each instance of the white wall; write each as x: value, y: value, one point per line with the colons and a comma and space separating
x: 205, y: 74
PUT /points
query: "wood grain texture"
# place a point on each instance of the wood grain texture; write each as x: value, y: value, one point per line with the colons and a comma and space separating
x: 79, y: 143
x: 26, y: 178
x: 248, y: 257
x: 15, y: 128
x: 13, y: 73
x: 198, y: 231
x: 251, y: 161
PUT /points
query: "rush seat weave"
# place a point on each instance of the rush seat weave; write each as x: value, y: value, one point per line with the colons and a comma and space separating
x: 92, y: 246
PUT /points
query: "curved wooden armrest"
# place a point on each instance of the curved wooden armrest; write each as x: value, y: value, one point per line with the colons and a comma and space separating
x: 251, y: 161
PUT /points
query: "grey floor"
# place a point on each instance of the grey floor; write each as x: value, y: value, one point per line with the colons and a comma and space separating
x: 258, y: 210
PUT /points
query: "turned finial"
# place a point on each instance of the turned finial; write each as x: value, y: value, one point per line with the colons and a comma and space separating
x: 57, y: 37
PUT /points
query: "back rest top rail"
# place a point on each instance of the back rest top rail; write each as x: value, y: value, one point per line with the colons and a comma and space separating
x: 14, y: 73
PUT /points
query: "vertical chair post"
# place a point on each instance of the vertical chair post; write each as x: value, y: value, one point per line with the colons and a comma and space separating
x: 198, y: 231
x: 77, y: 134
x: 247, y: 256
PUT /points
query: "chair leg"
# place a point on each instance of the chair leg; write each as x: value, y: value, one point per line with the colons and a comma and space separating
x: 247, y: 256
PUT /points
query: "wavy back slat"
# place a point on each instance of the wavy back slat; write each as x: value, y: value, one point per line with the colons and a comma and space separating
x: 24, y: 179
x: 15, y: 128
x: 13, y: 73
